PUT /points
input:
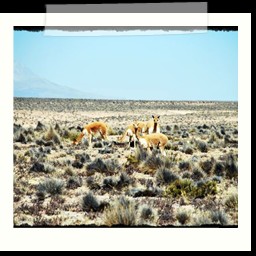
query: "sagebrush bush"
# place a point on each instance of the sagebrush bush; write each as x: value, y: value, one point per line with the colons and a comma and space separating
x: 185, y: 166
x: 147, y: 214
x: 165, y: 176
x: 202, y: 146
x: 197, y: 175
x: 42, y: 167
x: 213, y: 138
x: 219, y: 169
x: 90, y: 203
x: 202, y: 219
x: 97, y: 144
x: 140, y: 154
x: 217, y: 179
x: 52, y: 135
x: 71, y: 135
x: 231, y: 166
x: 124, y: 180
x: 20, y: 137
x: 69, y: 171
x: 175, y: 128
x: 108, y: 167
x: 207, y: 165
x: 154, y: 161
x: 40, y: 127
x: 122, y: 213
x: 183, y: 216
x: 231, y: 201
x: 51, y: 186
x: 83, y: 158
x: 110, y: 182
x: 219, y: 217
x: 74, y: 182
x: 188, y: 150
x: 186, y: 175
x: 14, y: 158
x: 117, y: 182
x: 92, y: 183
x: 168, y: 146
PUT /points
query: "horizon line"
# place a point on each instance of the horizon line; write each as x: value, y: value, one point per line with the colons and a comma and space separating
x: 109, y: 99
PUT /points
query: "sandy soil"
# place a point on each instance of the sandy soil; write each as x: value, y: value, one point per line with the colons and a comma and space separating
x: 113, y: 183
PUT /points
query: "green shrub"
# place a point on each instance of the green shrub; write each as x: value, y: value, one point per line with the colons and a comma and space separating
x: 185, y: 187
x: 179, y: 187
x: 186, y: 175
x: 205, y: 188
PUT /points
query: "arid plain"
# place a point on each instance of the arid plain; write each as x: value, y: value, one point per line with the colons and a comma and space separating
x: 113, y: 184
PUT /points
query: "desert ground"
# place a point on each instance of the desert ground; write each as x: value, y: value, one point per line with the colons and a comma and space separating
x: 113, y: 183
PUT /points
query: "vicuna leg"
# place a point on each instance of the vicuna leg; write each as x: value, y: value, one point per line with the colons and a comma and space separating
x: 103, y: 135
x: 162, y: 151
x: 89, y: 139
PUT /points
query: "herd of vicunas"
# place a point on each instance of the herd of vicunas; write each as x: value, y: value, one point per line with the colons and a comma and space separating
x: 147, y: 134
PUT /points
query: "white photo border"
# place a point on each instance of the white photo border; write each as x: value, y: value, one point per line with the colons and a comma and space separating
x: 125, y: 239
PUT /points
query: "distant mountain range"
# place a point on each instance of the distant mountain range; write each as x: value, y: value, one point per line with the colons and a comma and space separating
x: 28, y: 84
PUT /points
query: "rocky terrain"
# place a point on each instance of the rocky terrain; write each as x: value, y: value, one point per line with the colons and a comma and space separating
x: 113, y: 184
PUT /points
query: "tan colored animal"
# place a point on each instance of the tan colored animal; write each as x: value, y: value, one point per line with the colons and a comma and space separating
x: 91, y: 129
x: 153, y: 125
x: 130, y: 131
x: 151, y: 140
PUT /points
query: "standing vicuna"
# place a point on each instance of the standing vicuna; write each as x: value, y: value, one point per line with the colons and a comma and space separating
x: 151, y: 140
x: 153, y: 125
x: 91, y: 129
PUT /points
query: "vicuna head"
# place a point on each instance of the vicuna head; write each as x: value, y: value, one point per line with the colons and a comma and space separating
x: 155, y: 118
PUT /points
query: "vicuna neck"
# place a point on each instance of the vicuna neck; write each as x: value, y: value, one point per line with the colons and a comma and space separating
x: 155, y: 126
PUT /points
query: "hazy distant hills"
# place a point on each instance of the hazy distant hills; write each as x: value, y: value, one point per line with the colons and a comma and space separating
x: 28, y: 84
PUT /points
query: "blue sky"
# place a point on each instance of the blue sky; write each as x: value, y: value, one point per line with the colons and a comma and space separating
x: 195, y: 66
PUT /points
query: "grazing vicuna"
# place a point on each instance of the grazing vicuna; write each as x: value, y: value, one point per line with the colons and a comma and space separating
x: 92, y: 129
